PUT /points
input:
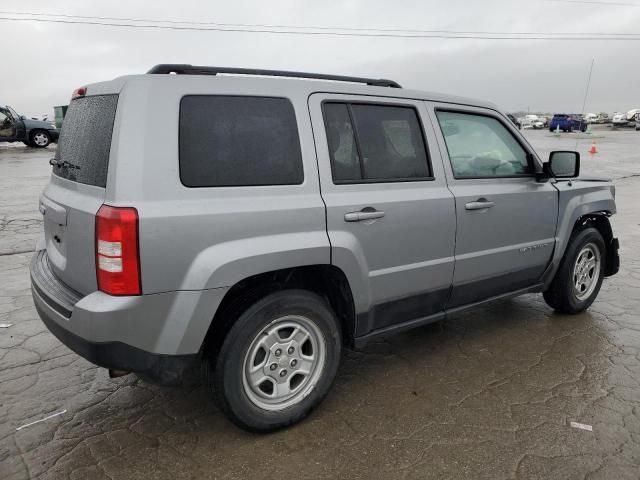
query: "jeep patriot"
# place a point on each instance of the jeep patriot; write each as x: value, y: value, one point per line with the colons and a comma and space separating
x: 257, y: 222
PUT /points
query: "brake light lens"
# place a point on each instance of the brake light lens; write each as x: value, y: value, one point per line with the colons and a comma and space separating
x: 117, y: 251
x: 79, y: 92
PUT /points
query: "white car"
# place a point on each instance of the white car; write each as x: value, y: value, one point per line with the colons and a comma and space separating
x: 591, y: 118
x: 619, y: 120
x: 625, y: 119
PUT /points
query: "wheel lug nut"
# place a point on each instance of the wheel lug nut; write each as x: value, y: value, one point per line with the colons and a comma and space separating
x: 278, y: 352
x: 294, y: 362
x: 273, y: 366
x: 290, y: 351
x: 283, y: 373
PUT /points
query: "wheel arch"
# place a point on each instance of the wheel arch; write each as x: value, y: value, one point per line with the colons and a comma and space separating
x: 326, y: 280
x: 600, y: 221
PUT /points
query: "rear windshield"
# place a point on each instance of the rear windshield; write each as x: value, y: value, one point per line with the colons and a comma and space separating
x: 85, y: 140
x: 228, y: 141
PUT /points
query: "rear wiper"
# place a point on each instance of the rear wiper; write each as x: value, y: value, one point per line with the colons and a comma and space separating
x: 63, y: 163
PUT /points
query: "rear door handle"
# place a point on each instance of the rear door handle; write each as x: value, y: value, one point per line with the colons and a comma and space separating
x: 479, y: 205
x: 363, y: 215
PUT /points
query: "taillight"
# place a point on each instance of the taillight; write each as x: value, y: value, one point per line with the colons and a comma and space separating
x: 117, y: 251
x: 79, y: 92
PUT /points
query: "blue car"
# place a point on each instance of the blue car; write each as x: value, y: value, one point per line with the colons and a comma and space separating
x: 567, y: 123
x: 18, y: 128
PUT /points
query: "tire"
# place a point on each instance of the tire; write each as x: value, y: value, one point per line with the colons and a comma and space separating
x: 563, y: 295
x: 284, y: 333
x: 28, y: 144
x: 39, y: 139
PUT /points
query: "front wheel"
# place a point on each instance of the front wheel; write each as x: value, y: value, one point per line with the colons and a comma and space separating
x: 579, y: 278
x: 277, y: 362
x: 40, y: 139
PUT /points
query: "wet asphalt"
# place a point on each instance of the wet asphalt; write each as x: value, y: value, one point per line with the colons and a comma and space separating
x: 490, y: 393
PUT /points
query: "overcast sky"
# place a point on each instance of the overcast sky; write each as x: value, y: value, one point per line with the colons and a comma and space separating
x: 42, y: 62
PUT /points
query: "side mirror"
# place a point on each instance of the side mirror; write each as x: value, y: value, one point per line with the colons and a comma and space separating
x: 563, y: 164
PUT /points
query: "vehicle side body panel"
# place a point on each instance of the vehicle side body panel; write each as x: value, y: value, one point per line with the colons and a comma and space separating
x: 404, y: 258
x: 505, y: 247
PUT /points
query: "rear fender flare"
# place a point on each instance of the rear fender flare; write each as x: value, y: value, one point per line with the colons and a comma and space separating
x: 225, y: 264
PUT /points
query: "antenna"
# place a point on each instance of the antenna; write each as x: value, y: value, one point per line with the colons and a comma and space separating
x: 586, y: 94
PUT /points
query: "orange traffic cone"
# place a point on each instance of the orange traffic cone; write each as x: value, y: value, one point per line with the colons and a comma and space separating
x: 593, y: 148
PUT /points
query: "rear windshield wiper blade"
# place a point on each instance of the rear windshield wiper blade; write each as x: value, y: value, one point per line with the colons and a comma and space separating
x: 63, y: 163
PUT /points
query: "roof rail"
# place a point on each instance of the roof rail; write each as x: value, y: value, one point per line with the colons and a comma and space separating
x: 183, y: 69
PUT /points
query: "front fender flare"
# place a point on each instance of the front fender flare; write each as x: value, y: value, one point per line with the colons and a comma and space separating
x: 573, y: 205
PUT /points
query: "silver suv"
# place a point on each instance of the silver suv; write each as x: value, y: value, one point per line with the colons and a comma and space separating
x: 257, y: 222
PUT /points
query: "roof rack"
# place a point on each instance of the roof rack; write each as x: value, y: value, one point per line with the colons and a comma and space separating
x: 183, y: 69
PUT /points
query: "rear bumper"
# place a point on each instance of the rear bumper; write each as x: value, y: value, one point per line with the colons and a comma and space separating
x: 157, y: 335
x: 162, y: 369
x: 54, y: 134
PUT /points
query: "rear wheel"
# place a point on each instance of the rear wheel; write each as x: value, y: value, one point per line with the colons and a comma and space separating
x: 277, y: 362
x: 39, y: 139
x: 579, y: 278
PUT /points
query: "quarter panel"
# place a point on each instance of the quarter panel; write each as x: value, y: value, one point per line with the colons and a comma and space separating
x: 187, y: 234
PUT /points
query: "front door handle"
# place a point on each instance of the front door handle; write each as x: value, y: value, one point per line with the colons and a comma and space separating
x: 363, y: 215
x: 479, y: 205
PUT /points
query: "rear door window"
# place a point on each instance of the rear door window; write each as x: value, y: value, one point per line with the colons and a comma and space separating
x: 85, y: 140
x: 228, y: 141
x: 375, y: 143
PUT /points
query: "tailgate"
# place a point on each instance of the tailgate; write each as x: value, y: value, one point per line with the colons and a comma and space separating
x: 77, y: 190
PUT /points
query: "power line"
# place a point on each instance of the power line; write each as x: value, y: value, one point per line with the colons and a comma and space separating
x: 308, y: 27
x: 594, y: 2
x: 270, y: 30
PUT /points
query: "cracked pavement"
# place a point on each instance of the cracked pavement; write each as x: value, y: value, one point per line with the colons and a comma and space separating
x: 489, y: 393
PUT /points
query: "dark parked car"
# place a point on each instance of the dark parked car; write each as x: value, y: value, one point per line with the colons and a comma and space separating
x: 567, y: 123
x: 515, y: 121
x: 18, y: 128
